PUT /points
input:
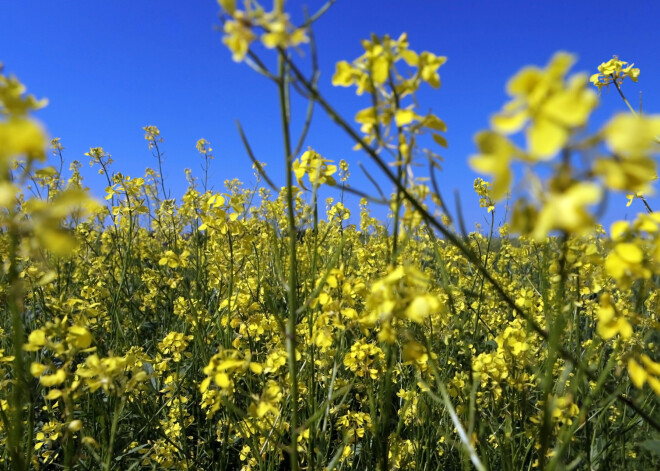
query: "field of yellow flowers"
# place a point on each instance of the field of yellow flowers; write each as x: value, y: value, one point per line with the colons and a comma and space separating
x: 259, y: 328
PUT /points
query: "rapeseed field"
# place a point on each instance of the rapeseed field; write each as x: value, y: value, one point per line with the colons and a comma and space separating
x: 263, y: 328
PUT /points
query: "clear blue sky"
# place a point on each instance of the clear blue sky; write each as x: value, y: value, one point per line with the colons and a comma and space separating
x: 110, y: 68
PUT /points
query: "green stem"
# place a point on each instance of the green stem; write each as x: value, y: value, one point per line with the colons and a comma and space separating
x: 312, y: 363
x: 556, y: 322
x: 623, y: 97
x: 20, y: 393
x: 399, y: 178
x: 385, y: 411
x: 282, y: 86
x: 113, y: 432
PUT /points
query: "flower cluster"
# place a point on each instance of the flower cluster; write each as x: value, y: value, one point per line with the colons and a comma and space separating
x: 614, y: 71
x: 242, y: 28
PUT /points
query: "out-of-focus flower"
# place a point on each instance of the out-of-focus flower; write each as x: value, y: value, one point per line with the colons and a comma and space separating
x: 547, y: 106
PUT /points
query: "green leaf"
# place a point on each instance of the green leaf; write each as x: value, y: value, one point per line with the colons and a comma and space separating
x: 651, y: 445
x: 440, y: 140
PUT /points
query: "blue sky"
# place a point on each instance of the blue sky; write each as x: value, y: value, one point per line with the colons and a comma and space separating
x: 110, y: 68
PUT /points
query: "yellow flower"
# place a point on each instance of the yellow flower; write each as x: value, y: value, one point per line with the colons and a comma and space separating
x: 222, y: 370
x: 365, y: 359
x: 36, y: 340
x: 269, y: 402
x: 626, y: 263
x: 204, y: 147
x: 355, y: 424
x: 551, y: 107
x: 8, y: 194
x: 173, y: 260
x: 421, y: 307
x: 377, y: 59
x: 405, y: 116
x: 37, y: 369
x: 13, y: 100
x: 98, y: 156
x: 238, y: 36
x: 414, y: 352
x: 567, y: 210
x: 612, y: 71
x: 170, y: 259
x: 174, y: 344
x: 496, y: 153
x: 629, y: 134
x: 610, y: 321
x: 375, y: 66
x: 20, y: 136
x: 79, y: 336
x: 345, y: 74
x: 54, y: 379
x: 316, y: 168
x: 638, y: 374
x: 152, y: 134
x: 482, y: 188
x: 279, y: 32
x: 428, y: 65
x: 648, y: 372
x: 275, y: 360
x: 633, y: 175
x: 111, y: 373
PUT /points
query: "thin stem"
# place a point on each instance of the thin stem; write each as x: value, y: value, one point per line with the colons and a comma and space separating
x: 20, y: 394
x: 254, y: 160
x: 310, y: 106
x: 318, y: 13
x: 399, y: 176
x: 282, y: 85
x: 648, y: 208
x: 159, y: 156
x: 373, y: 181
x: 623, y: 97
x: 362, y: 194
x: 113, y: 432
